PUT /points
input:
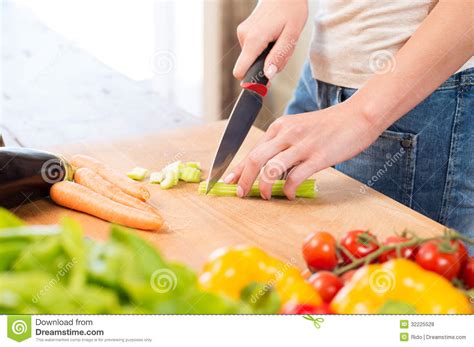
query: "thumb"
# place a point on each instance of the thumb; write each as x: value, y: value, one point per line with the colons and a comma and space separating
x: 281, y: 52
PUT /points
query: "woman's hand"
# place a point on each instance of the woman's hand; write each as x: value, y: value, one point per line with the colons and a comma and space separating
x: 272, y: 20
x: 305, y: 143
x: 312, y: 141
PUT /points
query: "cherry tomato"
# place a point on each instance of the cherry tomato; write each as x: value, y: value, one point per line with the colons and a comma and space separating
x: 346, y: 276
x: 358, y: 243
x: 467, y: 274
x: 306, y: 309
x: 326, y: 284
x: 461, y: 251
x: 319, y: 251
x: 405, y: 252
x: 431, y: 257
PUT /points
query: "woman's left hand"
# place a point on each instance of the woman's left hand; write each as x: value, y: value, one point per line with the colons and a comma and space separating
x: 305, y: 143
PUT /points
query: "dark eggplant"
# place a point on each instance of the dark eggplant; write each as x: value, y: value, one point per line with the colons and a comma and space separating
x: 27, y: 174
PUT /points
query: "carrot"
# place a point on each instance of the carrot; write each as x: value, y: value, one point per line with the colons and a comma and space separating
x: 128, y: 185
x: 88, y: 178
x: 80, y: 198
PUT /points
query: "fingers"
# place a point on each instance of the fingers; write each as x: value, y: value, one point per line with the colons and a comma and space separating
x: 277, y: 59
x: 275, y: 168
x: 241, y: 31
x: 255, y: 161
x: 251, y: 49
x: 281, y: 52
x: 298, y: 175
x: 234, y: 175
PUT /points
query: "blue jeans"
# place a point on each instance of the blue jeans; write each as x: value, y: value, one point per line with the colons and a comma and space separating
x: 425, y: 160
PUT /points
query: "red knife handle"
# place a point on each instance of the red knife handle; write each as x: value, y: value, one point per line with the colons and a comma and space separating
x: 255, y: 78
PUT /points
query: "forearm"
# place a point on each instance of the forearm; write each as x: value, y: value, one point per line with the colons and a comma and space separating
x: 309, y: 142
x: 440, y: 46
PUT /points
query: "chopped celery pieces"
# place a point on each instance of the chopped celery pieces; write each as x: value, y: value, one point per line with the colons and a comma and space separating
x: 123, y: 275
x: 157, y: 177
x: 170, y: 175
x: 307, y: 189
x: 194, y: 164
x: 190, y: 174
x: 174, y: 167
x: 171, y: 179
x: 138, y: 174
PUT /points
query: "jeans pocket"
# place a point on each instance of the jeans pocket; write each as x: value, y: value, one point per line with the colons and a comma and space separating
x: 387, y: 166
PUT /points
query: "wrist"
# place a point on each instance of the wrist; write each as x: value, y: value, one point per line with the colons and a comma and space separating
x: 369, y: 112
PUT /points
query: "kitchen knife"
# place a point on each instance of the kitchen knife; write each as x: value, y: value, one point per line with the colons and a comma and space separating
x: 241, y: 118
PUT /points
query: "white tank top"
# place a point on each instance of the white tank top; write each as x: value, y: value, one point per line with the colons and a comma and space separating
x: 352, y: 39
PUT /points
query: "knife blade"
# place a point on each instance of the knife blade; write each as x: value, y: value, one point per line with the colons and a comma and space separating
x: 241, y: 119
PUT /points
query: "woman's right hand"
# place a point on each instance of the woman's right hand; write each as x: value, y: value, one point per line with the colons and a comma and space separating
x: 272, y: 20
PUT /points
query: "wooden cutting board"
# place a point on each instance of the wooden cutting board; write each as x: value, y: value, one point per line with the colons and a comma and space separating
x: 196, y: 225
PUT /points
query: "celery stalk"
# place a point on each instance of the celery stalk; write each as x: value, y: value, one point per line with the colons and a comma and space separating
x: 190, y: 174
x: 157, y: 177
x: 138, y: 174
x: 307, y: 189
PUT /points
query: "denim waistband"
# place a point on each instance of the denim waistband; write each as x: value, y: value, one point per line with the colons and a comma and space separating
x: 462, y: 78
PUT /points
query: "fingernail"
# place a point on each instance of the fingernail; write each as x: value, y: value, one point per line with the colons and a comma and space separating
x: 229, y: 178
x: 263, y: 196
x: 240, y: 192
x: 271, y: 71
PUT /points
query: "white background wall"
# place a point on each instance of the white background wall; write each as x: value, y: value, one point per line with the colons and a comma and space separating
x: 130, y: 37
x: 171, y: 44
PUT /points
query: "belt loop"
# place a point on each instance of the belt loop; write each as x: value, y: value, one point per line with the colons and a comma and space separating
x: 339, y: 94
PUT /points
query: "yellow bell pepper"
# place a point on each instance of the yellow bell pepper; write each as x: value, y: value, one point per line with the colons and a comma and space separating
x: 229, y: 270
x: 399, y: 280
